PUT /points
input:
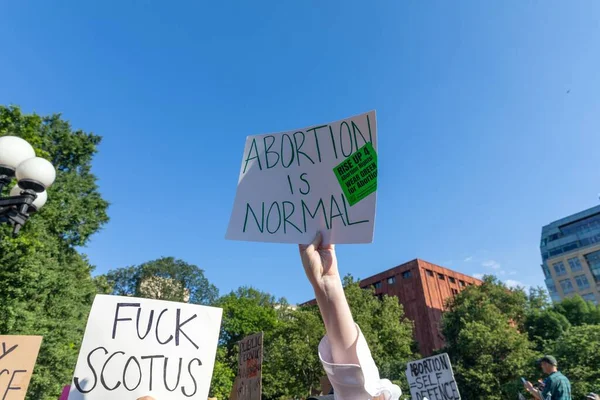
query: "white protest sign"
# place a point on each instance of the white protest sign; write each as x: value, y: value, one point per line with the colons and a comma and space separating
x: 135, y: 347
x: 287, y: 189
x: 432, y: 378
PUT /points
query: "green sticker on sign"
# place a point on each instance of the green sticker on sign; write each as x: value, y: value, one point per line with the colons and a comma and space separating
x: 357, y: 174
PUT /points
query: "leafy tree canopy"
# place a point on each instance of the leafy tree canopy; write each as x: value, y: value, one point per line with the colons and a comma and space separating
x: 166, y: 278
x: 46, y: 286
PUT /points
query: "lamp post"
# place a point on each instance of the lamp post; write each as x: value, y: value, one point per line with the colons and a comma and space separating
x: 34, y: 175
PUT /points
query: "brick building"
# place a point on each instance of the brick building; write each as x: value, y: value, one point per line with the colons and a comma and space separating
x: 422, y: 288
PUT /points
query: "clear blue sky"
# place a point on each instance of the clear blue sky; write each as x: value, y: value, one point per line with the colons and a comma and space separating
x: 488, y: 114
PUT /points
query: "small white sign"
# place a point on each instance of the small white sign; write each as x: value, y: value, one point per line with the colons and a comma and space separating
x: 135, y: 347
x: 287, y: 190
x: 432, y: 378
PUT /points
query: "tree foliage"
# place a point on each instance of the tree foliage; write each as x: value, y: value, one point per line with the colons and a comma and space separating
x: 483, y: 330
x: 166, y: 278
x: 578, y: 355
x: 46, y: 286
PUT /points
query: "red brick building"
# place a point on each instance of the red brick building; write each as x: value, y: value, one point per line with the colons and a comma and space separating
x: 422, y: 288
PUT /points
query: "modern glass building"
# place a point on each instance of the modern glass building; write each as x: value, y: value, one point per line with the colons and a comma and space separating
x: 570, y: 250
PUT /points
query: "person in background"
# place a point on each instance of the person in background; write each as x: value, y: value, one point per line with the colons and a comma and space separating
x: 556, y: 386
x: 344, y: 352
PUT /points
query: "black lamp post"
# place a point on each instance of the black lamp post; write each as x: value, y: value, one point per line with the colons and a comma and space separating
x: 34, y: 175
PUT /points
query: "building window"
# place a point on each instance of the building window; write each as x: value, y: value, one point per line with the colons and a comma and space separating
x: 593, y: 260
x: 441, y: 277
x: 406, y: 274
x: 575, y: 264
x: 559, y: 268
x: 582, y: 282
x: 546, y: 271
x: 551, y: 286
x: 451, y: 279
x: 590, y: 297
x: 454, y: 292
x: 461, y: 283
x: 429, y: 272
x: 567, y: 286
x: 377, y: 285
x: 391, y: 280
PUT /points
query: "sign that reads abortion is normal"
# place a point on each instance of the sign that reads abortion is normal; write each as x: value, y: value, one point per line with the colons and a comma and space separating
x: 295, y: 183
x: 432, y: 378
x: 136, y: 347
x: 17, y: 360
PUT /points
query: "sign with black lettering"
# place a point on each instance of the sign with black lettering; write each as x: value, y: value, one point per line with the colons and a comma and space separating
x: 288, y: 189
x: 432, y: 378
x: 141, y: 347
x: 250, y: 367
x: 17, y: 359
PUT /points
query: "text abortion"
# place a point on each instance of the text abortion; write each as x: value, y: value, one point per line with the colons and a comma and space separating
x: 432, y: 378
x: 287, y: 189
x: 149, y: 346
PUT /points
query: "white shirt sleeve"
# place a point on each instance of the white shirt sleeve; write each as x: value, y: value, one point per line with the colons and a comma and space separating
x: 356, y: 382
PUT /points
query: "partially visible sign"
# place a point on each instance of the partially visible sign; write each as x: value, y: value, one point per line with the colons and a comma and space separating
x: 17, y: 360
x: 250, y: 367
x: 432, y: 378
x: 136, y: 347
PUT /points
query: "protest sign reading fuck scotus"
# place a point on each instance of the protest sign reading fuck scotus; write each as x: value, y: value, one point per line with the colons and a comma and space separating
x: 320, y: 178
x: 135, y: 347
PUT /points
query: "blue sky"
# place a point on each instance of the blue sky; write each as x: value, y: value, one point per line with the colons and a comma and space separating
x: 488, y: 117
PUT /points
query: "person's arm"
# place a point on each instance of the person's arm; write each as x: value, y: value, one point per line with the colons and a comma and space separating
x: 533, y: 391
x: 320, y: 265
x: 344, y: 352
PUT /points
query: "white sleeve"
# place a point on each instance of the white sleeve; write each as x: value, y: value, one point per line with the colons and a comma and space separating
x: 356, y: 382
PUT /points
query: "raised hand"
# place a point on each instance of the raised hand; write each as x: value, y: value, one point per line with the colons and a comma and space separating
x: 320, y: 263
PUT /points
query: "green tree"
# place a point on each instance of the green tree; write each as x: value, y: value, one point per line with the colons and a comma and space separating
x: 166, y: 278
x: 386, y: 330
x: 483, y: 331
x: 292, y: 368
x: 245, y: 311
x: 579, y: 311
x: 542, y: 322
x: 46, y: 286
x: 578, y: 355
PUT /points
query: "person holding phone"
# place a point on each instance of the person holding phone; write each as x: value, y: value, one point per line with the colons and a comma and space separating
x: 556, y: 386
x: 344, y: 352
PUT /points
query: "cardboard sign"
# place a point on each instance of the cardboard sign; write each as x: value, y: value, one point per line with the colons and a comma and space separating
x: 250, y: 367
x: 141, y: 347
x: 432, y: 378
x: 17, y: 360
x: 288, y: 190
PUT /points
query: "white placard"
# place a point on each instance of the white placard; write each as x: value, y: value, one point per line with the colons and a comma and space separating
x: 135, y: 347
x: 432, y: 378
x: 287, y: 190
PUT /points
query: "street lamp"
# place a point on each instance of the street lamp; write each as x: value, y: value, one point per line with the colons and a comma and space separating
x: 34, y: 175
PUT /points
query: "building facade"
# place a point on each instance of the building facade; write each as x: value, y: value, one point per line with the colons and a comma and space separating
x: 570, y: 249
x: 422, y: 288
